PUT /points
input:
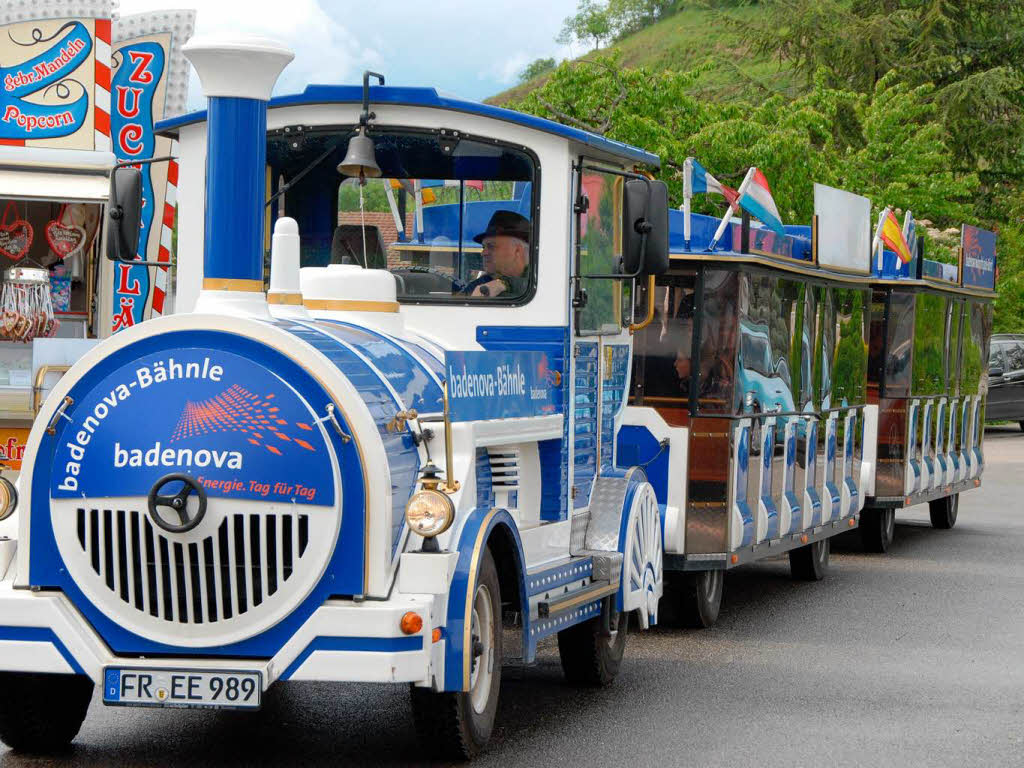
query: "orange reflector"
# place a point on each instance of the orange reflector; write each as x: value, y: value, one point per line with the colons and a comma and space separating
x: 435, y: 636
x: 411, y: 623
x: 906, y: 502
x: 735, y: 559
x: 851, y: 522
x: 977, y: 482
x: 803, y: 539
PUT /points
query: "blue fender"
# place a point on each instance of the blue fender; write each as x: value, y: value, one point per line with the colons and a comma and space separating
x: 476, y: 533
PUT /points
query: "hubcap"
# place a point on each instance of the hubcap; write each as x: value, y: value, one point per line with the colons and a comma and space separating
x: 482, y: 633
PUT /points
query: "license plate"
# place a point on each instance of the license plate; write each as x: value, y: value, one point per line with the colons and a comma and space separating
x: 134, y: 687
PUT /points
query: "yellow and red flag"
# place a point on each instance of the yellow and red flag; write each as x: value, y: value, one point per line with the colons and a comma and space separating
x: 892, y: 236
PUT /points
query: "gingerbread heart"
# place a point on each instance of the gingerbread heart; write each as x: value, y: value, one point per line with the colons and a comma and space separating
x: 16, y: 239
x: 65, y: 239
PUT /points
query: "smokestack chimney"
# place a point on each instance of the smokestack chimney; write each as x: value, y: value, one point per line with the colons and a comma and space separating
x: 237, y: 77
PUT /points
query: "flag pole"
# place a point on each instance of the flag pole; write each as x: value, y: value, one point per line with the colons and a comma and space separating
x: 732, y: 209
x: 687, y: 194
x: 876, y: 243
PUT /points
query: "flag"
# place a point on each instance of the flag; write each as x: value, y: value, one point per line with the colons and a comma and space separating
x: 891, y: 235
x: 475, y: 184
x: 755, y: 197
x: 697, y: 181
x: 428, y: 195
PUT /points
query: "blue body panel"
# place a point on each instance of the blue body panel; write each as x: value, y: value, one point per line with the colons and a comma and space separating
x: 554, y: 453
x: 340, y: 344
x: 344, y: 571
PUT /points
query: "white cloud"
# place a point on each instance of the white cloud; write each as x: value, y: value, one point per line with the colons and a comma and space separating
x: 471, y: 48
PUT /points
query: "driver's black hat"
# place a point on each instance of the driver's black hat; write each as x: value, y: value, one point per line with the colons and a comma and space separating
x: 507, y: 223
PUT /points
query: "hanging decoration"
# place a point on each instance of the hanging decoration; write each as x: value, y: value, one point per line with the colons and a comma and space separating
x: 64, y: 237
x: 26, y: 311
x: 15, y: 234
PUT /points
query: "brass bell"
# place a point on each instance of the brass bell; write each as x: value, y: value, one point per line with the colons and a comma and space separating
x: 360, y: 159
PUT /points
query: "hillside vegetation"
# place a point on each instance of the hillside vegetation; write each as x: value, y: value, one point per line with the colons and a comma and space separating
x: 916, y: 104
x: 689, y: 39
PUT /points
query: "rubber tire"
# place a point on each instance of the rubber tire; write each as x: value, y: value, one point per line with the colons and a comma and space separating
x: 700, y: 598
x: 446, y: 723
x: 943, y: 511
x: 877, y: 528
x: 588, y: 659
x: 810, y: 562
x: 41, y: 713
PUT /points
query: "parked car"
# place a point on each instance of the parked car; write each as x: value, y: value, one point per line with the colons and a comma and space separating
x: 1006, y: 378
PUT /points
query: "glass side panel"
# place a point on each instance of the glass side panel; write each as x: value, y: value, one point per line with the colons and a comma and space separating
x: 930, y: 344
x: 899, y: 345
x: 718, y: 342
x: 600, y: 238
x: 850, y: 359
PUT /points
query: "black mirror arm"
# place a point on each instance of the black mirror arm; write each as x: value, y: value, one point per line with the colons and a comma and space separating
x: 116, y: 212
x: 367, y: 115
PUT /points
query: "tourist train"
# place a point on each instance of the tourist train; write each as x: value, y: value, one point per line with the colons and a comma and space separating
x: 496, y: 392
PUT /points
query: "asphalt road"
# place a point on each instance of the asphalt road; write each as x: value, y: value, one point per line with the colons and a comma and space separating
x: 913, y: 658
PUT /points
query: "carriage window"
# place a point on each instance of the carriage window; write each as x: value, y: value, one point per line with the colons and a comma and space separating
x: 850, y: 361
x: 719, y: 320
x: 665, y: 377
x: 451, y: 219
x: 899, y: 347
x: 930, y: 344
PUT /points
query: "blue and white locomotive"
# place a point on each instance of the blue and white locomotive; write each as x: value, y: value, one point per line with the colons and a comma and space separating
x: 362, y: 481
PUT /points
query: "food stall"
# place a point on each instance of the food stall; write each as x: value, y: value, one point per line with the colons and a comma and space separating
x: 81, y: 92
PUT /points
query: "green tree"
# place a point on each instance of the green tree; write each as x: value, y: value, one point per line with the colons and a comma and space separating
x: 536, y: 68
x: 590, y: 22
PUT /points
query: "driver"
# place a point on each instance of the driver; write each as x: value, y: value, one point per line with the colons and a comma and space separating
x: 506, y: 256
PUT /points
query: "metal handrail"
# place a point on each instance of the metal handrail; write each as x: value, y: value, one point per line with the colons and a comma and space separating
x: 37, y: 386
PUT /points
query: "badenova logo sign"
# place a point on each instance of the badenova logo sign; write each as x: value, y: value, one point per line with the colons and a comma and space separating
x: 139, y: 69
x: 979, y: 255
x: 500, y: 385
x: 238, y: 429
x: 47, y: 75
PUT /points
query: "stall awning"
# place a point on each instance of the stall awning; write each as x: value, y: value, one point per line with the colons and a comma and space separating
x: 49, y: 185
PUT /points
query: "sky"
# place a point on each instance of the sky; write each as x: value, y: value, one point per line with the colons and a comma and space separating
x: 470, y: 49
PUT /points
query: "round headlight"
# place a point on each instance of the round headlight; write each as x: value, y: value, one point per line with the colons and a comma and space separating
x: 429, y: 513
x: 8, y: 498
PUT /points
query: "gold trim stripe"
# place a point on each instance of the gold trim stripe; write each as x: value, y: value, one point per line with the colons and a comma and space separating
x: 232, y: 284
x: 281, y: 297
x: 347, y: 305
x: 474, y: 564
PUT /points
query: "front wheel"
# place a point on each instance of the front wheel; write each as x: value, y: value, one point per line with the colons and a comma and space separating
x: 456, y: 725
x: 877, y: 528
x: 810, y: 562
x: 943, y: 511
x: 591, y: 653
x: 42, y: 713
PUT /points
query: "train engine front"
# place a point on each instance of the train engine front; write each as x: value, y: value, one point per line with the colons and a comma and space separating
x: 210, y: 501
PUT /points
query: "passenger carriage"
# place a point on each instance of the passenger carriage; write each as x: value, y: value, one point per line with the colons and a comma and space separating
x: 749, y: 406
x: 931, y: 325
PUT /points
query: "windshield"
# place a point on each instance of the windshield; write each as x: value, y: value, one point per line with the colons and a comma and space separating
x: 450, y: 218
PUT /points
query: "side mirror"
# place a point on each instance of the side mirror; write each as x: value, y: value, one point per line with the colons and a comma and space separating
x: 125, y: 211
x: 645, y: 227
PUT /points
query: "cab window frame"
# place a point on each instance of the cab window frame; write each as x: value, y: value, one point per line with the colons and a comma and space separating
x: 349, y: 129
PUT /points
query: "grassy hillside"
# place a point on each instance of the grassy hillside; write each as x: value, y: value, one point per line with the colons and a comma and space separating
x: 691, y: 38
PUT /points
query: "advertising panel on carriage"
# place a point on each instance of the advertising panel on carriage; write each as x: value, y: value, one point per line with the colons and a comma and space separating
x: 71, y: 108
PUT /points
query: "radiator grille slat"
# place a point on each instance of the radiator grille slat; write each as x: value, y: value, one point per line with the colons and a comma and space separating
x: 239, y: 566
